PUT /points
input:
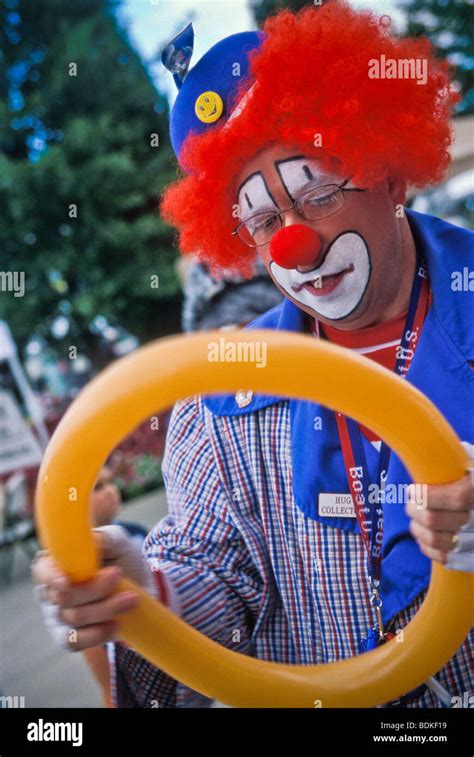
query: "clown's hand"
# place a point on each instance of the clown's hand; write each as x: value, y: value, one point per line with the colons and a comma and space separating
x: 443, y: 523
x: 85, y: 615
x: 121, y: 550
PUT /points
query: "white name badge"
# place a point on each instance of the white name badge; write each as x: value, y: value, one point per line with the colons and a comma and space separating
x: 336, y: 506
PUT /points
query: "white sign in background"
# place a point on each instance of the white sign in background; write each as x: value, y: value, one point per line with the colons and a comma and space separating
x: 18, y: 445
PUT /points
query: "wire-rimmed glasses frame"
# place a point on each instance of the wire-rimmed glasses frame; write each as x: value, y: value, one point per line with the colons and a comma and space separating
x: 271, y: 221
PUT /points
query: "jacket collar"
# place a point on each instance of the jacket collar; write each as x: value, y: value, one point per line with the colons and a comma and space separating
x: 283, y: 317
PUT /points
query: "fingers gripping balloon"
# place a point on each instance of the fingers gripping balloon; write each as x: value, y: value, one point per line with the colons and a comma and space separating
x: 297, y: 366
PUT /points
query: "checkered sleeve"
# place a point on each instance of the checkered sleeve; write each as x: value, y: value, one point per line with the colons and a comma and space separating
x: 202, y: 555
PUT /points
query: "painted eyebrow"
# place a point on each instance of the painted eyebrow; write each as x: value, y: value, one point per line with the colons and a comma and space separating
x: 277, y: 163
x: 247, y: 179
x: 249, y: 203
x: 306, y: 169
x: 248, y: 200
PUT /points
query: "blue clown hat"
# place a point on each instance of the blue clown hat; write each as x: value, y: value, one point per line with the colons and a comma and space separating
x: 207, y: 92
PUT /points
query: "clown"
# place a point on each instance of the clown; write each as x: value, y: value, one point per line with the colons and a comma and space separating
x: 290, y: 151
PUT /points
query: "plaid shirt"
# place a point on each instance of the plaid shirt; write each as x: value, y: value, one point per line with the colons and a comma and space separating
x: 246, y: 565
x: 250, y: 569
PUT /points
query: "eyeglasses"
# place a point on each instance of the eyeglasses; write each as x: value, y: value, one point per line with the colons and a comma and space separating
x: 314, y: 205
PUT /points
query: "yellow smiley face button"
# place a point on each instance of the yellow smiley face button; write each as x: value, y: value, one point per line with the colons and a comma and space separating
x: 208, y: 107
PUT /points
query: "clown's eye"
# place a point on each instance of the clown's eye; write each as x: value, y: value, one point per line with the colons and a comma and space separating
x: 264, y: 222
x: 316, y: 201
x: 206, y: 99
x: 321, y: 202
x: 201, y: 108
x: 261, y: 225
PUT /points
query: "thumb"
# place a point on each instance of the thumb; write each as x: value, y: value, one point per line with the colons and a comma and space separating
x: 111, y: 541
x: 117, y: 548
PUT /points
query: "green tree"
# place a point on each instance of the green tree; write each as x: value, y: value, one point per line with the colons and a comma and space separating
x: 84, y: 155
x: 448, y: 24
x: 261, y: 9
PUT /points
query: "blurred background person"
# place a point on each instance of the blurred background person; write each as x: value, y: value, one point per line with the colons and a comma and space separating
x: 231, y: 302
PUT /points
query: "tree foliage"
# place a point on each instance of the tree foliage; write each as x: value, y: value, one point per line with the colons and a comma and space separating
x: 448, y: 24
x: 261, y: 9
x: 84, y: 155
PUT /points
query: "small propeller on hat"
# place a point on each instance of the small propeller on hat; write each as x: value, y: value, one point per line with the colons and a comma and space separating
x: 177, y: 54
x: 207, y: 91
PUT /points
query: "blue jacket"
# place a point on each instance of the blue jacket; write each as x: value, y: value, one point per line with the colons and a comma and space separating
x: 440, y: 369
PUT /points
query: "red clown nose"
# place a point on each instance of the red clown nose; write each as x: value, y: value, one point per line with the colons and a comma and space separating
x: 295, y: 245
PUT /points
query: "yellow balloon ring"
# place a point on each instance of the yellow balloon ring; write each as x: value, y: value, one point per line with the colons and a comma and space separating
x: 153, y: 378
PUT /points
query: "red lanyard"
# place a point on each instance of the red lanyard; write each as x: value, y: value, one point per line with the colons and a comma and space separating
x: 368, y: 508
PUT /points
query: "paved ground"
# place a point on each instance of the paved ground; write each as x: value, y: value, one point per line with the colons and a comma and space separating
x: 31, y: 666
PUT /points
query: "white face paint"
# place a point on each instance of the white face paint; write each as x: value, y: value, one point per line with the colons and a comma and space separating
x: 254, y: 197
x: 336, y: 287
x: 298, y: 174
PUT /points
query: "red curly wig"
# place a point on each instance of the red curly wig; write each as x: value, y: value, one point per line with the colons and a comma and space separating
x: 312, y: 74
